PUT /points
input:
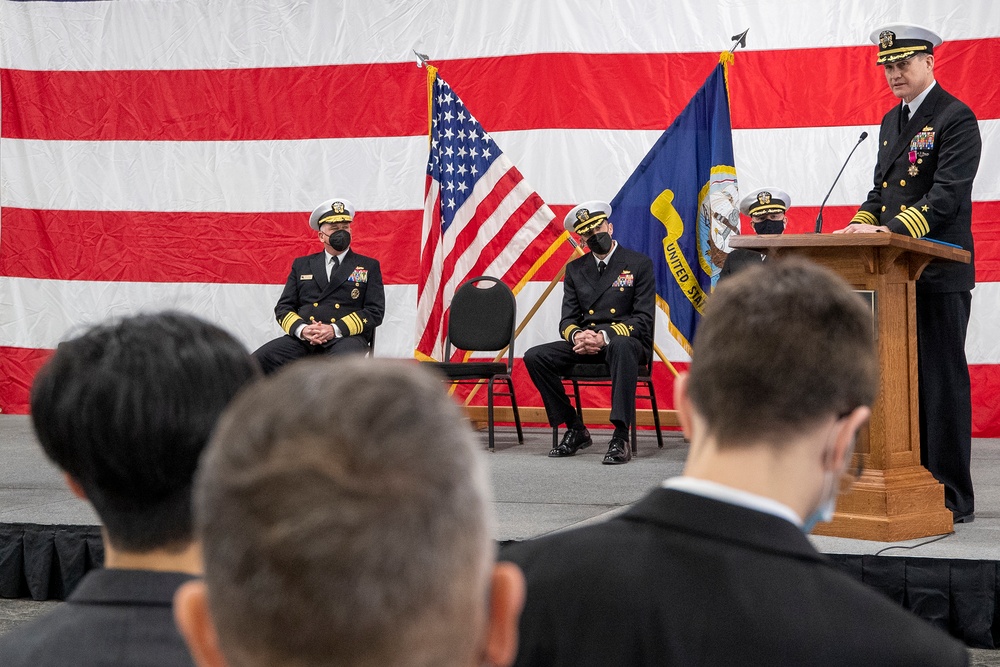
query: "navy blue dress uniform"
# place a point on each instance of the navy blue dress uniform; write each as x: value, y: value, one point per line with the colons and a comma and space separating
x: 352, y: 299
x: 923, y: 187
x: 758, y: 205
x: 618, y: 302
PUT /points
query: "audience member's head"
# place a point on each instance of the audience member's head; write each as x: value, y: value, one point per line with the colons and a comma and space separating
x: 125, y: 410
x: 344, y: 513
x: 784, y: 365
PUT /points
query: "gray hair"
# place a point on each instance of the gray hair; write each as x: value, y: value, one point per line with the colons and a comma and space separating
x: 344, y: 512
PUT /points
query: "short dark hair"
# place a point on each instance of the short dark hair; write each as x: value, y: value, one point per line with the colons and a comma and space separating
x: 126, y: 409
x: 342, y: 508
x: 781, y: 347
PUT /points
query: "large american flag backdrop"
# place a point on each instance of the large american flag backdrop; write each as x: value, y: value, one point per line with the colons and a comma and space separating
x: 166, y: 154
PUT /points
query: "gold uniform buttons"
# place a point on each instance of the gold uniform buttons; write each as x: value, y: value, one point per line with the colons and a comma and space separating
x: 885, y: 143
x: 591, y: 312
x: 902, y: 207
x: 312, y: 319
x: 902, y: 182
x: 612, y: 311
x: 337, y: 306
x: 883, y: 209
x: 315, y: 305
x: 884, y: 184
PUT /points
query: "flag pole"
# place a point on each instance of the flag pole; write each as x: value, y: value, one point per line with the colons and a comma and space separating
x: 738, y: 41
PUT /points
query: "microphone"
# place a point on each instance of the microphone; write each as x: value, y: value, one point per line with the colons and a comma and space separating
x: 819, y: 216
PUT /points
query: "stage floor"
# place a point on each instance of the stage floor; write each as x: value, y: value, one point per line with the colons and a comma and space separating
x: 534, y: 494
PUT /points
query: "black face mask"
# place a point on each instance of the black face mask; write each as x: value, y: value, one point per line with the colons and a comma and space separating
x: 339, y: 240
x: 769, y: 226
x: 600, y: 243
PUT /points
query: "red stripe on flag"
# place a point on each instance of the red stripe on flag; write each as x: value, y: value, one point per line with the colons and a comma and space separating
x: 138, y: 246
x: 18, y: 366
x: 257, y: 248
x: 291, y: 102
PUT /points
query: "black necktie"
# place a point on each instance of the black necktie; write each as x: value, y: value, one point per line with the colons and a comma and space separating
x: 600, y: 267
x: 906, y: 115
x: 334, y: 264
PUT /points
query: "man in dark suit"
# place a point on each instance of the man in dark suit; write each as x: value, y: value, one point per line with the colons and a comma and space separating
x: 929, y: 149
x: 125, y: 411
x: 332, y: 300
x: 766, y: 209
x: 714, y: 567
x: 607, y: 317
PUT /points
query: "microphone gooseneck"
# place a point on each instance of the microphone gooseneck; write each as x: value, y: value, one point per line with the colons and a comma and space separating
x: 819, y: 216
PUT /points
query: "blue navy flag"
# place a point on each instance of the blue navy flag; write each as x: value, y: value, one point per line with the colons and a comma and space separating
x: 681, y: 205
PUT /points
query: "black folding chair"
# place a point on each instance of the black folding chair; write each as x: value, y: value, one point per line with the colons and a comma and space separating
x: 586, y: 375
x: 482, y: 318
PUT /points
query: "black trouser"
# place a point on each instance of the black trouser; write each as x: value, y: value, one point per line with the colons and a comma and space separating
x: 274, y: 354
x: 945, y: 394
x: 545, y: 364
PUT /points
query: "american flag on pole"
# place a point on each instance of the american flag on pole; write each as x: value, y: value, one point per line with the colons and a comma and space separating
x: 480, y: 216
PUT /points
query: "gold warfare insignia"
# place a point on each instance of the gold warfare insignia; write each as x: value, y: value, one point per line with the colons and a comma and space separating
x: 583, y: 215
x: 886, y: 39
x: 355, y: 293
x: 338, y: 207
x: 764, y: 198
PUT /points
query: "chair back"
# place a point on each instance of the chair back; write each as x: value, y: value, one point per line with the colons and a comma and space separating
x: 482, y: 316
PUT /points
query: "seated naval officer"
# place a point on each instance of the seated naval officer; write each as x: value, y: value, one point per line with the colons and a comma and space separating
x: 332, y: 300
x: 607, y: 317
x: 767, y: 209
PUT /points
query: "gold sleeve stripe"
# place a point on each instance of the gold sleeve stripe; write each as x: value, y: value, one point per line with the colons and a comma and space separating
x: 568, y: 332
x: 288, y: 322
x: 920, y: 220
x: 865, y: 218
x: 620, y: 329
x: 354, y: 324
x: 915, y: 222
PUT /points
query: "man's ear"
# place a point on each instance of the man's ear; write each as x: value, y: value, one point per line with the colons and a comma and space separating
x: 507, y: 591
x: 74, y: 486
x: 847, y: 433
x: 682, y: 404
x: 195, y: 624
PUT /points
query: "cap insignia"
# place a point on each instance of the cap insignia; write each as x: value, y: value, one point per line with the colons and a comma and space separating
x: 583, y: 215
x: 338, y: 207
x: 764, y: 198
x: 886, y: 39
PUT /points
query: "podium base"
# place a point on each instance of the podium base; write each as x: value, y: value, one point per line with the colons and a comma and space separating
x: 891, y: 506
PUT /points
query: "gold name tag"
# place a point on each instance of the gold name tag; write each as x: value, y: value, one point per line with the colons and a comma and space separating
x: 306, y: 276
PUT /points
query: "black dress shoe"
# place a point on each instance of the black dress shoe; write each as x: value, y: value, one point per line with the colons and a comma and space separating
x: 572, y: 441
x: 967, y: 517
x: 618, y: 452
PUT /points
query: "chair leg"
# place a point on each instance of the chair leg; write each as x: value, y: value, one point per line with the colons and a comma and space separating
x: 555, y: 437
x: 635, y: 432
x: 513, y: 405
x: 489, y: 414
x: 579, y: 404
x: 656, y: 414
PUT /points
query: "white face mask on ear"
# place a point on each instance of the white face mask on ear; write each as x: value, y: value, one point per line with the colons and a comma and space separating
x: 828, y: 499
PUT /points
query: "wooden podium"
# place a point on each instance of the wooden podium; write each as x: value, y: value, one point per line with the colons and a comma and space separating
x: 896, y: 498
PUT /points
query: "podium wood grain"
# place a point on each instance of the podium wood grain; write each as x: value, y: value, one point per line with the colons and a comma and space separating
x: 896, y: 498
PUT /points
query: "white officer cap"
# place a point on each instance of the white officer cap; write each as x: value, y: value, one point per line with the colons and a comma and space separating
x: 764, y: 201
x: 898, y: 41
x: 332, y: 210
x: 586, y: 216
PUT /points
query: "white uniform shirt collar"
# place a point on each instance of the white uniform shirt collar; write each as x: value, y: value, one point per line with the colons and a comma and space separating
x: 919, y: 99
x: 738, y: 497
